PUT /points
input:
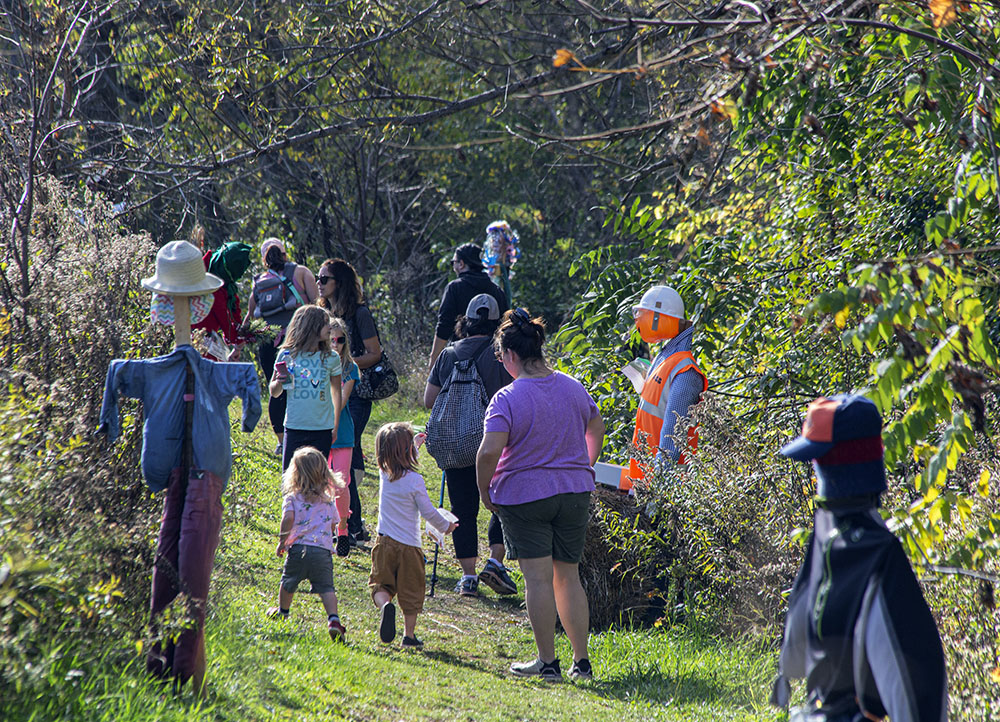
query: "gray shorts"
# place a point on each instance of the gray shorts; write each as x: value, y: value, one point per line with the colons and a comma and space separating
x: 555, y: 526
x: 303, y: 561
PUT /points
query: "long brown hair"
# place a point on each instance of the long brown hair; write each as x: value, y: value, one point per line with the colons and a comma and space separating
x: 394, y: 451
x: 347, y: 292
x: 304, y: 329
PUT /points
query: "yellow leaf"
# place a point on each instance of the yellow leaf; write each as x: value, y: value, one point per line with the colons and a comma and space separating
x: 945, y: 12
x: 841, y: 318
x: 724, y: 109
x: 563, y: 57
x: 995, y: 675
x: 984, y: 483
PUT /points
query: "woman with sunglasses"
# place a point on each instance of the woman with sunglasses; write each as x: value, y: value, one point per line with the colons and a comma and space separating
x: 543, y: 434
x: 341, y: 294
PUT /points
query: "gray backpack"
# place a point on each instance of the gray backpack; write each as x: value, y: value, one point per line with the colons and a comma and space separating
x: 455, y: 426
x: 276, y: 293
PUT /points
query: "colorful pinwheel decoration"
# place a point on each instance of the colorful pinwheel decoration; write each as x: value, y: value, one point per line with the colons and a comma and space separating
x: 500, y: 252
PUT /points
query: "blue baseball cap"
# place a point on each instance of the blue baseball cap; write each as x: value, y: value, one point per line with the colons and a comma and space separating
x: 842, y: 436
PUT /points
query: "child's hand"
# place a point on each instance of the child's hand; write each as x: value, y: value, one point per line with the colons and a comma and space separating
x: 419, y: 439
x: 451, y: 527
x: 280, y: 551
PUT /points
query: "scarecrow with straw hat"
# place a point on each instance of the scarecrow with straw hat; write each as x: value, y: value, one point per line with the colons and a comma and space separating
x: 185, y: 447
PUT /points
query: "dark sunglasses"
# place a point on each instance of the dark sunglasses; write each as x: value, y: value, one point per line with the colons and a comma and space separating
x: 323, y: 279
x: 338, y: 339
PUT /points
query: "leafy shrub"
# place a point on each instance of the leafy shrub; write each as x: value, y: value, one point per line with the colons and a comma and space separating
x: 76, y: 518
x: 712, y: 542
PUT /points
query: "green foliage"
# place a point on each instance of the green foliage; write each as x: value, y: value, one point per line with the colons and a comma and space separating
x: 709, y: 545
x: 75, y: 516
x: 842, y: 257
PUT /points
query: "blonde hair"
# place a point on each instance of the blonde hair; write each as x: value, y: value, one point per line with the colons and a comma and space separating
x: 304, y: 329
x: 345, y: 350
x: 394, y: 450
x: 308, y: 474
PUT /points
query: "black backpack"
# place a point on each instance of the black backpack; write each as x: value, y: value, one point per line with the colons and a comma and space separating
x: 275, y: 292
x: 455, y: 426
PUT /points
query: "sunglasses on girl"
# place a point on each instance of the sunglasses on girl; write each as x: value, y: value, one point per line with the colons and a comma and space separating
x: 323, y: 279
x: 338, y: 339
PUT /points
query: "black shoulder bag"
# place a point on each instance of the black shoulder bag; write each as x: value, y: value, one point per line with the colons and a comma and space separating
x: 378, y: 381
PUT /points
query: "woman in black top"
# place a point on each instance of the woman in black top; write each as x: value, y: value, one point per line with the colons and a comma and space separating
x: 472, y: 280
x: 475, y: 333
x: 340, y: 293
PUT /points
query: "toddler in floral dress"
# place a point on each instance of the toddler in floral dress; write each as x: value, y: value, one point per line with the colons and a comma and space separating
x: 309, y: 519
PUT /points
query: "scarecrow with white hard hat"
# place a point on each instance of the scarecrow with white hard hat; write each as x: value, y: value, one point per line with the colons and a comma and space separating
x: 185, y: 448
x: 858, y: 629
x: 673, y: 384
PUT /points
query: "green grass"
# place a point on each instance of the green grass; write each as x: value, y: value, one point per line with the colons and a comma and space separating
x: 260, y: 669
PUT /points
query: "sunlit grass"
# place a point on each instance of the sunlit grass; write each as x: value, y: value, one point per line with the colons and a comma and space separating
x: 260, y: 669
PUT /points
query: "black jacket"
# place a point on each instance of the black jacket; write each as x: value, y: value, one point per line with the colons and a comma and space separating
x: 456, y: 299
x: 858, y: 628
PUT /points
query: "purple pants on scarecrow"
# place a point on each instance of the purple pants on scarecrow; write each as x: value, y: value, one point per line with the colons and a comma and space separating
x: 185, y: 554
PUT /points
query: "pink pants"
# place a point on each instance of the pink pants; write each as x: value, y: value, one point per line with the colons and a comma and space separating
x: 340, y: 460
x: 185, y: 553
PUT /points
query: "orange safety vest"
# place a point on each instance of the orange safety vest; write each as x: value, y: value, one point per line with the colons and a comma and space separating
x: 653, y: 407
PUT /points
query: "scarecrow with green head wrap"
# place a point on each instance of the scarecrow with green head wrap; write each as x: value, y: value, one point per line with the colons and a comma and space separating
x: 229, y: 262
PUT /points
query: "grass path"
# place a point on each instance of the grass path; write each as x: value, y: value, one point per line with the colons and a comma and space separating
x: 261, y: 669
x: 264, y: 670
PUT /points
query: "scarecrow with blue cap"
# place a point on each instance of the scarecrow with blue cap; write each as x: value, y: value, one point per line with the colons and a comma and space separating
x: 858, y: 628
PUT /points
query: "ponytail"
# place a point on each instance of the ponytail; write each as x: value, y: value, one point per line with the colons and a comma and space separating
x: 521, y: 334
x: 275, y: 259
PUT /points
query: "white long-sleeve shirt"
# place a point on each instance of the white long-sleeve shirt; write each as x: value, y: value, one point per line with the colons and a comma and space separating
x: 401, y: 503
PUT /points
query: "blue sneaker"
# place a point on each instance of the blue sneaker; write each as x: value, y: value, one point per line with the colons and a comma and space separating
x: 468, y: 587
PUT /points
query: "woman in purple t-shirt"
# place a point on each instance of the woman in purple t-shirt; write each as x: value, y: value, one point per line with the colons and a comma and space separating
x: 543, y: 434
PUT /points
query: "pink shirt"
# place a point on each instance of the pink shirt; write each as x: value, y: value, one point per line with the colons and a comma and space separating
x: 546, y: 452
x: 314, y: 521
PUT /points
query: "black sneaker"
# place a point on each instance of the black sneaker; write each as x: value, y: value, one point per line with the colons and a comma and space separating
x: 549, y: 671
x: 343, y: 546
x: 412, y: 642
x: 387, y: 625
x: 581, y: 670
x: 495, y: 576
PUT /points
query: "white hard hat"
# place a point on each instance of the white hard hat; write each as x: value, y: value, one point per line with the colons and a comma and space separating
x: 662, y: 299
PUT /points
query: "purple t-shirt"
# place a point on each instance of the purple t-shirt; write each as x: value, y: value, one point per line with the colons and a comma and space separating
x: 546, y: 452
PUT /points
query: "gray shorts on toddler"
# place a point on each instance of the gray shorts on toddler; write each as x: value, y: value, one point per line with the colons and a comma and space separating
x: 303, y: 561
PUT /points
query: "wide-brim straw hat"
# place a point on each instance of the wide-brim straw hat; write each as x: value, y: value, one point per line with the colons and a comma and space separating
x: 180, y: 271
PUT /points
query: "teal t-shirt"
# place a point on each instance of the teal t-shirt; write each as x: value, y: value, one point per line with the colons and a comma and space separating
x: 310, y: 406
x: 345, y: 432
